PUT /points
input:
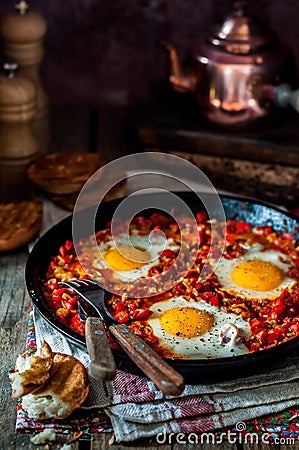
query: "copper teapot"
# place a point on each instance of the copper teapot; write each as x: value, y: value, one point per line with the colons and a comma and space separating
x: 238, y: 74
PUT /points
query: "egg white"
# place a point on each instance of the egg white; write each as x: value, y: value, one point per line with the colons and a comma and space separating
x: 225, y: 268
x: 207, y: 345
x: 155, y: 245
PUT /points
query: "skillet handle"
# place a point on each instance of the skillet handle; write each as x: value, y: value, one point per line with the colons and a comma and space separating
x: 102, y: 365
x: 168, y: 380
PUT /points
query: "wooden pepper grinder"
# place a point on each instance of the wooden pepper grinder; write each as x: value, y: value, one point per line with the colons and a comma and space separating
x: 17, y: 108
x: 23, y: 31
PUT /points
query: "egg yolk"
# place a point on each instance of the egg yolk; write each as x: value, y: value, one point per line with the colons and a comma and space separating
x: 257, y: 275
x: 127, y: 258
x: 186, y: 322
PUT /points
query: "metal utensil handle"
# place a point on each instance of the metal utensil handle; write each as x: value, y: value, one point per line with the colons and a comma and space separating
x: 168, y: 380
x: 102, y: 364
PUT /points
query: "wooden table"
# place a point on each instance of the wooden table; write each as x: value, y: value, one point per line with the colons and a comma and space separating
x: 14, y: 300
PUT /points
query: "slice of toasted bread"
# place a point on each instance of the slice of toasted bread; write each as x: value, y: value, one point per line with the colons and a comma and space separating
x: 63, y: 173
x: 19, y: 222
x: 68, y: 201
x: 66, y: 390
x: 31, y: 371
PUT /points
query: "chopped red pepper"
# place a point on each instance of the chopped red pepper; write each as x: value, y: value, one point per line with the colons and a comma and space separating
x: 243, y: 227
x: 214, y: 300
x: 168, y: 254
x: 201, y: 217
x: 159, y: 219
x: 272, y: 321
x: 120, y: 307
x: 122, y: 317
x: 141, y: 314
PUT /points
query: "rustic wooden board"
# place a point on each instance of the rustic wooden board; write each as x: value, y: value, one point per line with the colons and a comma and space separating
x: 14, y: 309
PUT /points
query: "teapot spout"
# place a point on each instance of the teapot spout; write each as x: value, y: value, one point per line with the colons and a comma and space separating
x: 181, y: 80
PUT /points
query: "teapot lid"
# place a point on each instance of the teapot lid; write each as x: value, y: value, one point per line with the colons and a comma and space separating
x: 241, y: 33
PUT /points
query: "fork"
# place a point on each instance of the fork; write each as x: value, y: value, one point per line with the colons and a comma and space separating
x: 165, y: 377
x: 102, y: 365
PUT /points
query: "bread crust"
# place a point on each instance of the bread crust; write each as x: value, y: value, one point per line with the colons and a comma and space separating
x: 19, y: 223
x: 63, y: 173
x: 67, y: 389
x: 52, y: 384
x: 69, y: 382
x: 31, y: 372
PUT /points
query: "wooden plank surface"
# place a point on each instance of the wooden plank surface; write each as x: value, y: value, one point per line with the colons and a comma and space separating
x: 213, y: 143
x: 12, y: 342
x: 23, y: 442
x: 12, y: 288
x: 70, y: 132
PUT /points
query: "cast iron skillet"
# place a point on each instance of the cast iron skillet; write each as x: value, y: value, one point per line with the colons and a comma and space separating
x: 194, y: 371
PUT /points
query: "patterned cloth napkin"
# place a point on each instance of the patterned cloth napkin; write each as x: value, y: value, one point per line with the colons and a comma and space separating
x: 138, y: 409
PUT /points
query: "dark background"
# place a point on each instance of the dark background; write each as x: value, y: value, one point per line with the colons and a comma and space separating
x: 109, y: 50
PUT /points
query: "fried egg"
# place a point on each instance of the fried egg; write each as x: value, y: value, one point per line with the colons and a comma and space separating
x: 131, y: 259
x: 257, y: 274
x: 197, y: 330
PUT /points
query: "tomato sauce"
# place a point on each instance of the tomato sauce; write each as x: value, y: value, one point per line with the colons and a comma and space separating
x: 272, y: 321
